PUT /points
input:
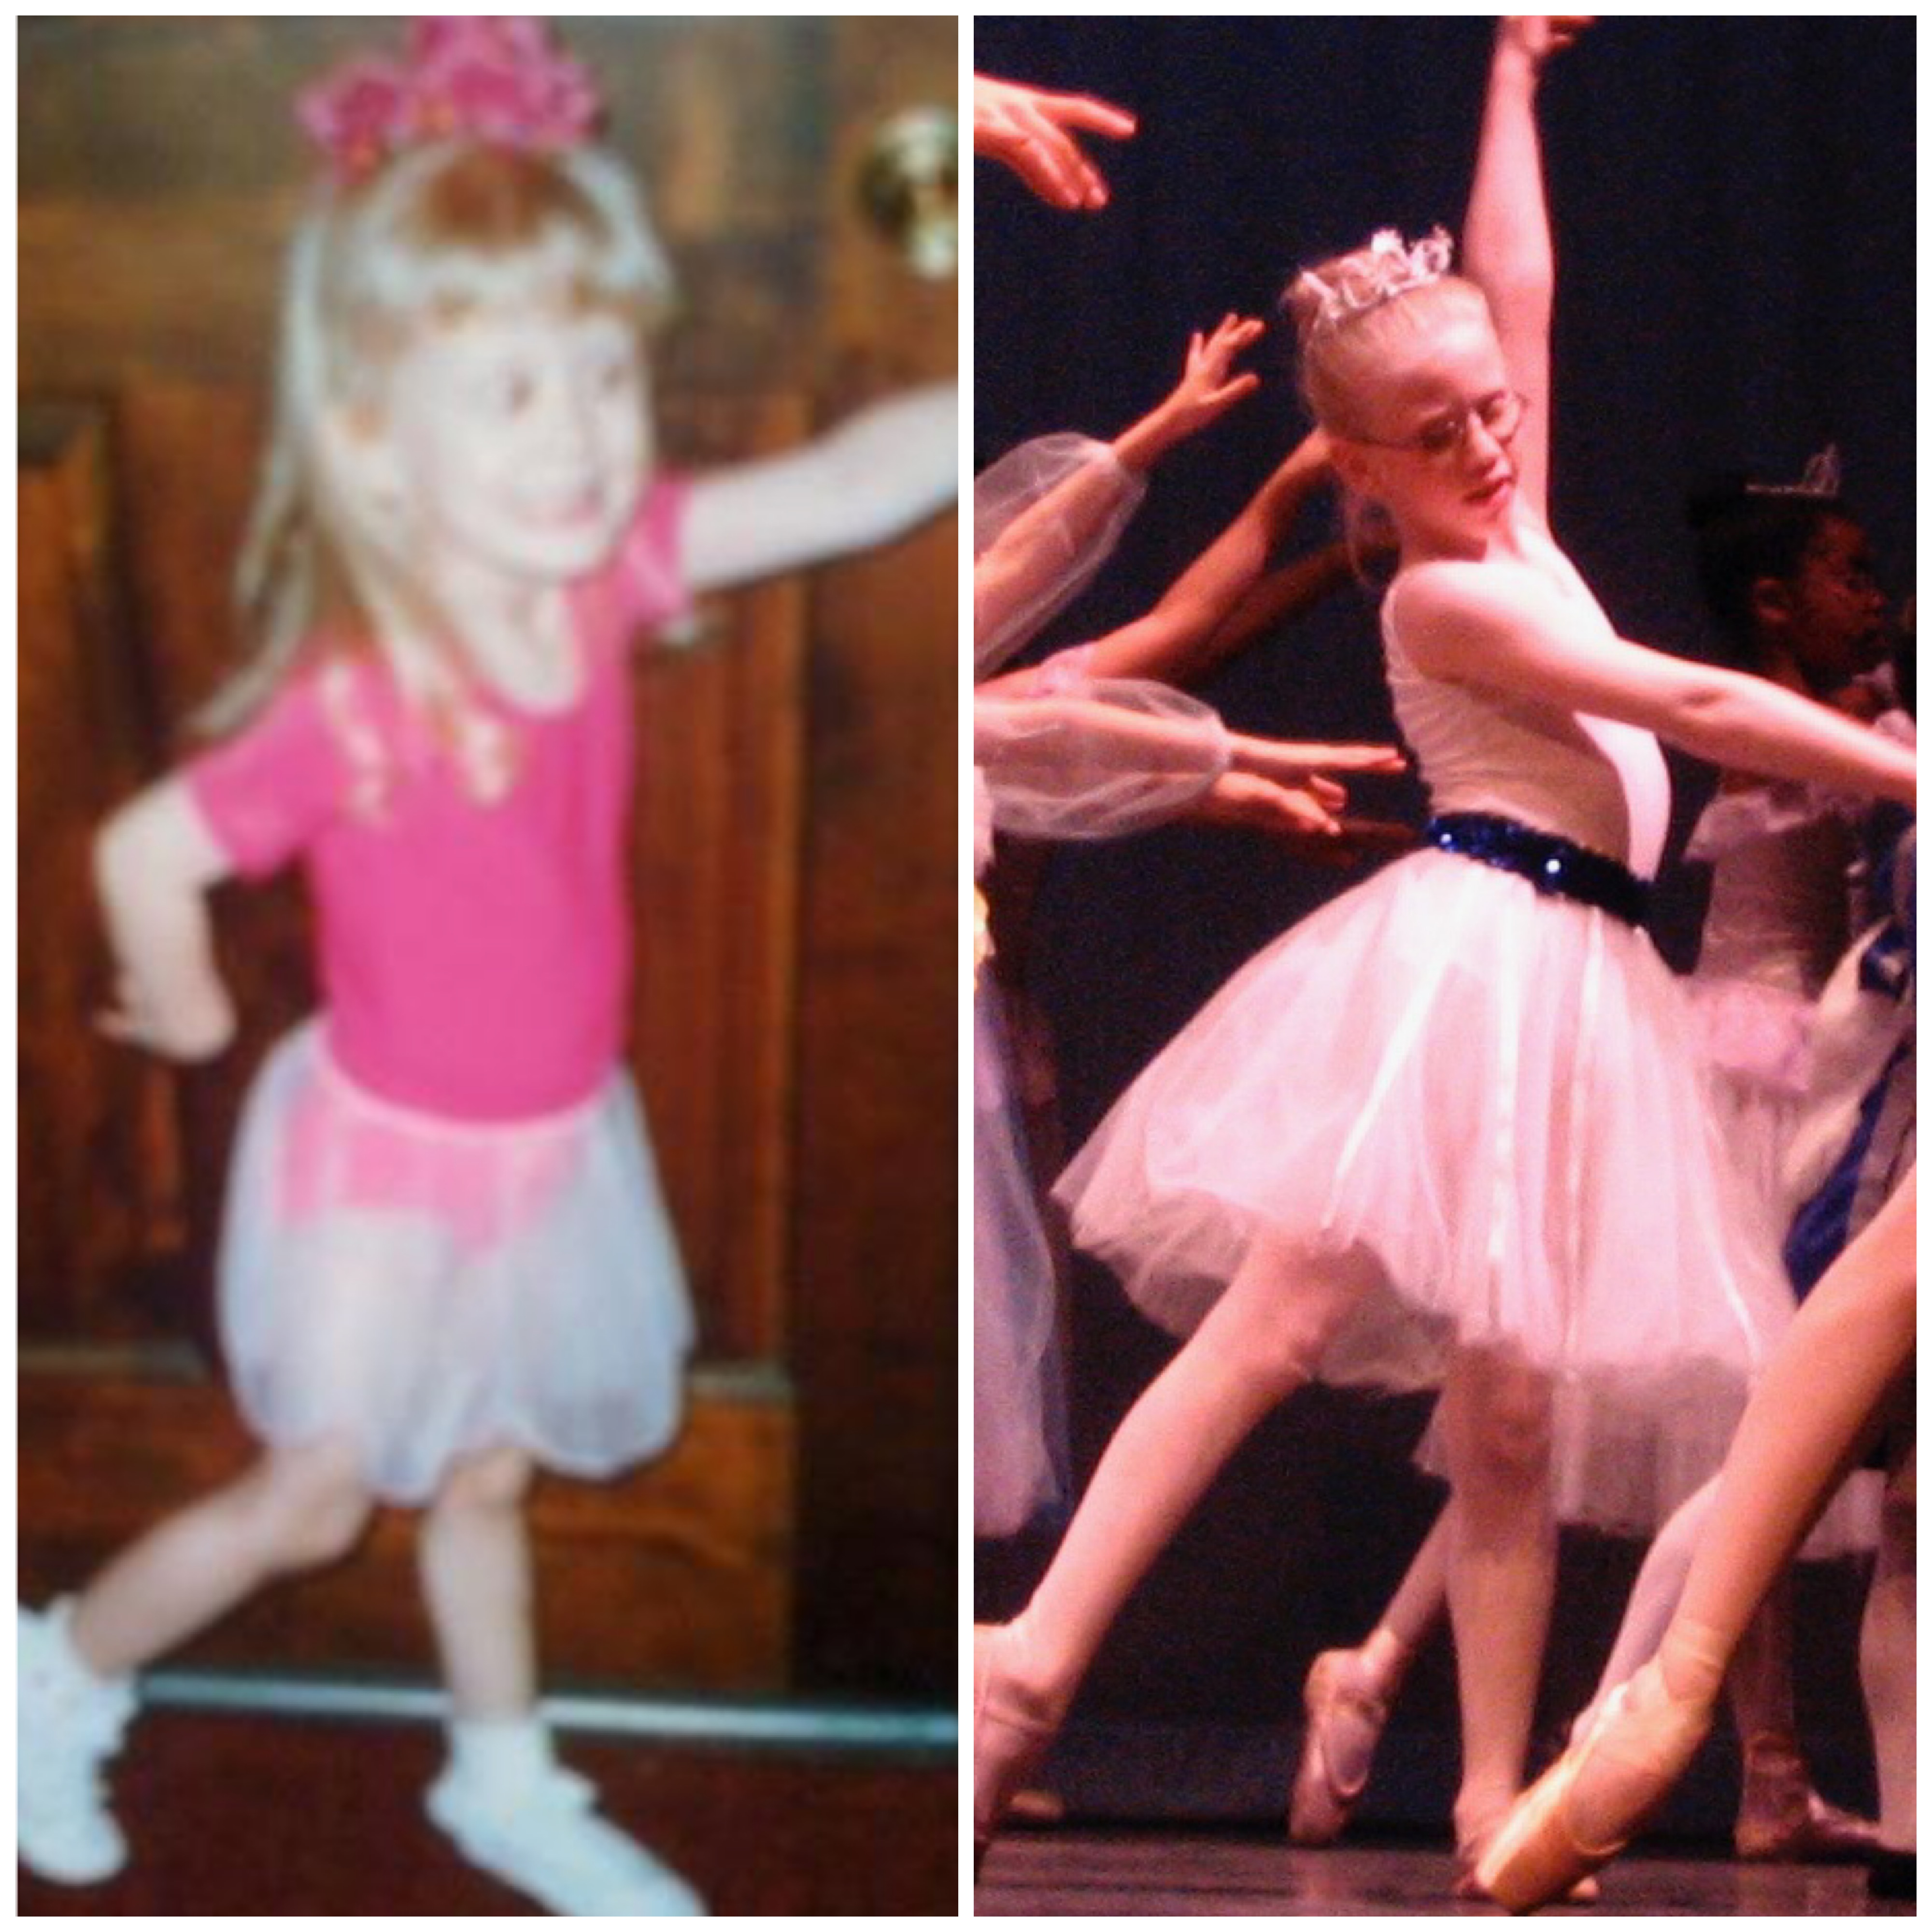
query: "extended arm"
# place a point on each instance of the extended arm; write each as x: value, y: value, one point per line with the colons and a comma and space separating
x: 1513, y: 633
x: 1225, y: 598
x: 155, y: 861
x: 878, y: 475
x: 1506, y: 242
x: 1018, y: 568
x: 1030, y: 131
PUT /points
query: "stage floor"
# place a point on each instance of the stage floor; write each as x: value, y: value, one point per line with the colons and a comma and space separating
x: 1169, y: 1874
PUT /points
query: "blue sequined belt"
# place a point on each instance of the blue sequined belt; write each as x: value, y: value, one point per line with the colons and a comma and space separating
x: 1557, y: 866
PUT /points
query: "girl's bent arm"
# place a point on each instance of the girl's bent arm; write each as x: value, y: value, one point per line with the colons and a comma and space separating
x: 1511, y: 634
x: 881, y: 473
x: 154, y: 862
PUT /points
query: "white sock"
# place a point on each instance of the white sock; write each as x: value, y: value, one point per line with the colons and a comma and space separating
x: 505, y: 1753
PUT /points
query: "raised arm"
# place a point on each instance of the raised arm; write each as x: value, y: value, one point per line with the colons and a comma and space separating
x: 1018, y: 569
x: 1507, y: 250
x: 1515, y: 634
x: 1031, y: 131
x: 877, y: 476
x: 1218, y: 604
x: 155, y: 861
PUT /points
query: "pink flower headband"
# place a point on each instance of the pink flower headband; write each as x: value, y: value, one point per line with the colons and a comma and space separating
x: 496, y: 79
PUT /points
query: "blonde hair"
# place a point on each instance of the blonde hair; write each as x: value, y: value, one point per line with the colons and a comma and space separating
x: 1351, y: 313
x: 441, y: 233
x: 1343, y: 347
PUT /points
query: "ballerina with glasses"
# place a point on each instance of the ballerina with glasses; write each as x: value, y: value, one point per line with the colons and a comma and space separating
x: 1448, y: 1131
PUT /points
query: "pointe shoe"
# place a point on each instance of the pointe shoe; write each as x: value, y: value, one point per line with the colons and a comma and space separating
x: 1782, y: 1819
x: 1345, y: 1722
x: 1009, y: 1742
x: 1472, y: 1849
x: 1634, y: 1753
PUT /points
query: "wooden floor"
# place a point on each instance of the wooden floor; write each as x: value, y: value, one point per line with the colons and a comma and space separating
x: 252, y: 1816
x: 1198, y: 1874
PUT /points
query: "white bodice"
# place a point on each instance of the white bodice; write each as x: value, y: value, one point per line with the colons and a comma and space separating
x: 1600, y: 783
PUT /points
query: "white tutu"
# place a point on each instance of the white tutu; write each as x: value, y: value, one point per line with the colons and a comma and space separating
x: 1497, y: 1095
x: 430, y: 1289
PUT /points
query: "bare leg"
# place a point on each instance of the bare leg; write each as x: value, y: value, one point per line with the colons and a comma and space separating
x: 295, y: 1509
x: 473, y: 1555
x: 1502, y: 1571
x: 1260, y: 1341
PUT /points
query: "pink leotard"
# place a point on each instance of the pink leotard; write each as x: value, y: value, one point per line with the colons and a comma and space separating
x: 474, y: 956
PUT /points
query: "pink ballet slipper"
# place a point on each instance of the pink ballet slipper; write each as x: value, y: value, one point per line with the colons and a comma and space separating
x: 1630, y: 1758
x: 1010, y: 1741
x: 1345, y: 1721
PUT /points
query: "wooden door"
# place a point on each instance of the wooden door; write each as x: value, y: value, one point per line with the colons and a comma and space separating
x: 793, y: 1015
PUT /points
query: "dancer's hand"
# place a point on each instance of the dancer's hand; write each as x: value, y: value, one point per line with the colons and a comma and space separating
x: 1206, y: 391
x: 1207, y: 388
x: 1291, y: 763
x: 196, y: 1024
x: 1028, y: 129
x: 1302, y: 814
x: 1310, y: 825
x: 1539, y: 38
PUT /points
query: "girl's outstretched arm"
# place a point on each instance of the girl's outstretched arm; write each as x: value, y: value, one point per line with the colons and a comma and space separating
x: 154, y: 861
x: 1513, y: 633
x: 875, y: 476
x: 1506, y: 243
x: 1030, y: 131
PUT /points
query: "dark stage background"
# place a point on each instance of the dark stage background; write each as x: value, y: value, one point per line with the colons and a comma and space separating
x: 1734, y: 204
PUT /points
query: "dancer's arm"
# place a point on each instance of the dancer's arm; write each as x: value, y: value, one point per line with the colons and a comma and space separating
x: 1224, y: 598
x: 154, y: 862
x: 1016, y: 568
x: 1509, y: 630
x: 868, y: 480
x: 1506, y: 242
x: 1030, y: 131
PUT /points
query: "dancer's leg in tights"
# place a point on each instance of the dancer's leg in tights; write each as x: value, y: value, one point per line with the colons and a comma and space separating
x: 1888, y: 1660
x: 1502, y: 1570
x: 1803, y: 1427
x: 1412, y: 1612
x: 1259, y: 1342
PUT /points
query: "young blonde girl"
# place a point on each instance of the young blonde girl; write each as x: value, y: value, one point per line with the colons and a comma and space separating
x: 446, y: 1259
x: 1449, y: 1129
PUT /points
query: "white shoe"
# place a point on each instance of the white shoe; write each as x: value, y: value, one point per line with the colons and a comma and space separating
x: 544, y: 1838
x: 71, y: 1723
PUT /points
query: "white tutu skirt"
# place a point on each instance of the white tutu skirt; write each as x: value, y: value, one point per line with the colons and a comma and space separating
x: 1497, y: 1097
x: 430, y: 1289
x: 1019, y: 1455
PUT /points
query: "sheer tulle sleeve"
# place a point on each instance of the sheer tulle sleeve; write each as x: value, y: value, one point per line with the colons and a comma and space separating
x: 1045, y: 517
x: 1095, y: 759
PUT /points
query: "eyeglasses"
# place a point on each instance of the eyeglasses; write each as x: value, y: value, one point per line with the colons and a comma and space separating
x: 1442, y: 439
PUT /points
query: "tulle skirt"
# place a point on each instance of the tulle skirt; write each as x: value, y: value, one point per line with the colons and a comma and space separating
x: 429, y: 1289
x: 1019, y: 1454
x: 1497, y: 1097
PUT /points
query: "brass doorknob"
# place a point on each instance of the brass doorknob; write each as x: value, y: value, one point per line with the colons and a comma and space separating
x: 909, y: 188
